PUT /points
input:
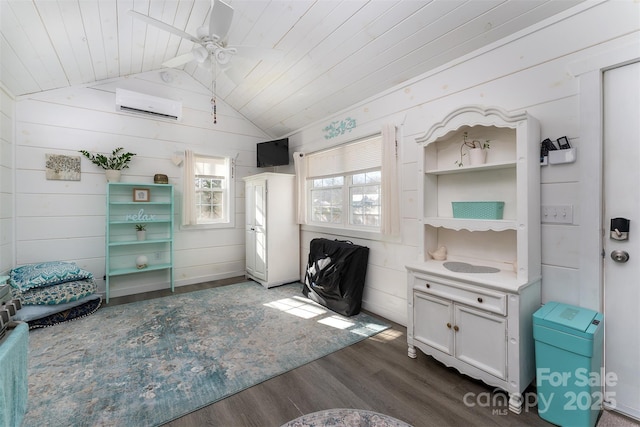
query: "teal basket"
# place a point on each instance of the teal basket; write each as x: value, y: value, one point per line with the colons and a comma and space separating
x: 478, y: 210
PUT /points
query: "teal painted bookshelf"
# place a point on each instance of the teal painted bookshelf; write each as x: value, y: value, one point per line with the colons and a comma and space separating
x: 130, y: 204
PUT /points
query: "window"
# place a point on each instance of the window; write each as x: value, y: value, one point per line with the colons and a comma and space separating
x: 364, y: 197
x: 208, y: 200
x: 360, y: 197
x: 344, y: 185
x: 326, y: 200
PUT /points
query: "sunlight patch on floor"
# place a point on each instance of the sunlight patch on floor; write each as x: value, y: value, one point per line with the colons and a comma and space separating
x: 307, y: 309
x: 336, y: 322
x: 388, y: 335
x: 296, y: 307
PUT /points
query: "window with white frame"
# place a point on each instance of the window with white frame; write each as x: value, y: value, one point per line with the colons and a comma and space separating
x: 344, y: 185
x: 209, y: 198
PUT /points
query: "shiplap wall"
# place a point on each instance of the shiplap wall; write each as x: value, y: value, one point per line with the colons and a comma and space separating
x: 6, y: 181
x: 529, y: 71
x: 65, y: 220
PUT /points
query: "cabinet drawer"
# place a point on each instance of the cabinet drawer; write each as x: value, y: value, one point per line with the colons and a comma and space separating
x: 484, y: 299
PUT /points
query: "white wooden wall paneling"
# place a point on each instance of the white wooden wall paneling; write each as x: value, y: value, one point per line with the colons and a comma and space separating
x: 10, y: 70
x: 307, y: 29
x: 121, y: 125
x: 203, y: 256
x: 560, y: 284
x: 69, y: 226
x: 56, y: 16
x: 523, y: 53
x: 6, y: 182
x: 43, y: 63
x: 211, y: 238
x: 129, y: 51
x: 60, y: 249
x: 343, y: 49
x: 341, y: 44
x: 484, y: 80
x: 490, y: 65
x: 75, y: 210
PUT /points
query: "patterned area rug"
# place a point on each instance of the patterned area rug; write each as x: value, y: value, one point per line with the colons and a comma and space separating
x: 149, y: 362
x: 345, y: 418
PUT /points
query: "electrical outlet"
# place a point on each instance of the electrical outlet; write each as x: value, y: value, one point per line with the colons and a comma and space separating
x: 157, y: 254
x: 557, y: 214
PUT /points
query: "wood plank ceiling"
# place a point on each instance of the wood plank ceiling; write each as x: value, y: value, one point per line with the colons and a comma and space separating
x: 333, y: 53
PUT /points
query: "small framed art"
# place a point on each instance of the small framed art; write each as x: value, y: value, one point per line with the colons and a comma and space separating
x: 141, y: 195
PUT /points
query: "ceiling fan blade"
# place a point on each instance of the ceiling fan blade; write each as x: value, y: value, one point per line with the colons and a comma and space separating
x: 166, y: 27
x: 220, y: 19
x: 178, y: 60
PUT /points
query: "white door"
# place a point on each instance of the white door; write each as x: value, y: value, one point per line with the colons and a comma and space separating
x: 622, y: 200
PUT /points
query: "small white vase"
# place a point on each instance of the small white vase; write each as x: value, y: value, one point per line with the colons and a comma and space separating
x: 141, y: 234
x: 113, y: 175
x: 477, y: 156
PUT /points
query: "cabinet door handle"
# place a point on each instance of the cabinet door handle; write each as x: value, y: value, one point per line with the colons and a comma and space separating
x: 455, y: 328
x: 449, y: 325
x: 479, y: 299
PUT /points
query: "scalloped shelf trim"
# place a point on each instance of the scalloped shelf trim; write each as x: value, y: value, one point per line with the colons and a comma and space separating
x: 458, y: 224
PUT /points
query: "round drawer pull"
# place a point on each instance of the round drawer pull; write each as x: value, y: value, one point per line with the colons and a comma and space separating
x: 449, y: 325
x: 455, y: 328
x: 428, y: 285
x: 479, y: 299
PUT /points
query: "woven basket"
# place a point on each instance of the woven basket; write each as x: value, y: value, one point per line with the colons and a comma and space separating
x: 478, y: 210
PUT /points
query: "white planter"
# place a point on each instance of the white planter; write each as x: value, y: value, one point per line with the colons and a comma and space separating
x: 112, y: 175
x: 142, y: 234
x: 477, y: 156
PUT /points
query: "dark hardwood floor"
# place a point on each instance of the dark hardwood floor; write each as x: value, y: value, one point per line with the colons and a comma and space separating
x: 375, y: 374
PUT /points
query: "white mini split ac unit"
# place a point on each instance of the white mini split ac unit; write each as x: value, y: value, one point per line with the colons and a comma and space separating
x: 140, y: 103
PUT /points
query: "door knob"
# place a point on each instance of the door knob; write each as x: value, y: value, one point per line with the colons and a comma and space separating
x: 620, y: 256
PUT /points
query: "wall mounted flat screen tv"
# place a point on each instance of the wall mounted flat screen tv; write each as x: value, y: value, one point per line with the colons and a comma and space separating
x: 273, y: 153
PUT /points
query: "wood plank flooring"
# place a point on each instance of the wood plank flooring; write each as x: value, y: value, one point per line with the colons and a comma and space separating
x: 375, y: 374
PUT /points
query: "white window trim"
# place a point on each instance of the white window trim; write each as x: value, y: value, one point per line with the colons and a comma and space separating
x: 230, y: 197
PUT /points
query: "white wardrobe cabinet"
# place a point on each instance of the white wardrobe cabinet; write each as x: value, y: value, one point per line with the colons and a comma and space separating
x: 272, y: 234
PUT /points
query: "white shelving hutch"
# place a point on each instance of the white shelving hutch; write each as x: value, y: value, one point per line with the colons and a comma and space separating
x: 479, y: 322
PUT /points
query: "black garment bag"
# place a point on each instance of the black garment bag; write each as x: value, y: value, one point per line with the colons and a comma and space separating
x: 335, y: 275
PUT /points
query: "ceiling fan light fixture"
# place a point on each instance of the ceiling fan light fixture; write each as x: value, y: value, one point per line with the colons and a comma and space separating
x: 223, y: 56
x: 200, y: 54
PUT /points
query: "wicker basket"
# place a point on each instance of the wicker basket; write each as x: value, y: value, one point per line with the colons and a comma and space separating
x: 478, y: 210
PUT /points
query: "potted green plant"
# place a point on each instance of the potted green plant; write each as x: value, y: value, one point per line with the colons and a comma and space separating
x: 113, y: 164
x: 477, y: 150
x: 141, y: 231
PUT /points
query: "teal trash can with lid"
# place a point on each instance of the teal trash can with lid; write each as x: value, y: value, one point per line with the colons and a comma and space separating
x: 569, y: 344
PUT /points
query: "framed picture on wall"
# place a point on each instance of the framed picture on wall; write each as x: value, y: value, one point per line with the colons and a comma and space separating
x: 141, y: 194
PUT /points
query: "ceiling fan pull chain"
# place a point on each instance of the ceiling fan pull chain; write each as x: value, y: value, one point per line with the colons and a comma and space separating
x: 213, y: 95
x: 213, y: 105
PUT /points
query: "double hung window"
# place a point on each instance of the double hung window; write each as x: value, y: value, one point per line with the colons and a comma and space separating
x: 344, y: 185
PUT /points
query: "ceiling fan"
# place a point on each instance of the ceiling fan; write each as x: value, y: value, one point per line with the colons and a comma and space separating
x: 210, y: 41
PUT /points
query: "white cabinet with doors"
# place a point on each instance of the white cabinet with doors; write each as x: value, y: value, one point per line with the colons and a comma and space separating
x: 472, y: 310
x: 272, y: 233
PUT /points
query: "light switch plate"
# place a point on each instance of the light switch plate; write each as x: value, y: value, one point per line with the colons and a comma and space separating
x: 557, y: 214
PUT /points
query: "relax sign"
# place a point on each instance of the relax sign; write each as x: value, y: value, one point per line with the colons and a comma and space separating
x: 141, y: 216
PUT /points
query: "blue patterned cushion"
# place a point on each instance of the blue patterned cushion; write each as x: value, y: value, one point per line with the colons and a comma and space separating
x: 46, y: 274
x: 56, y: 294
